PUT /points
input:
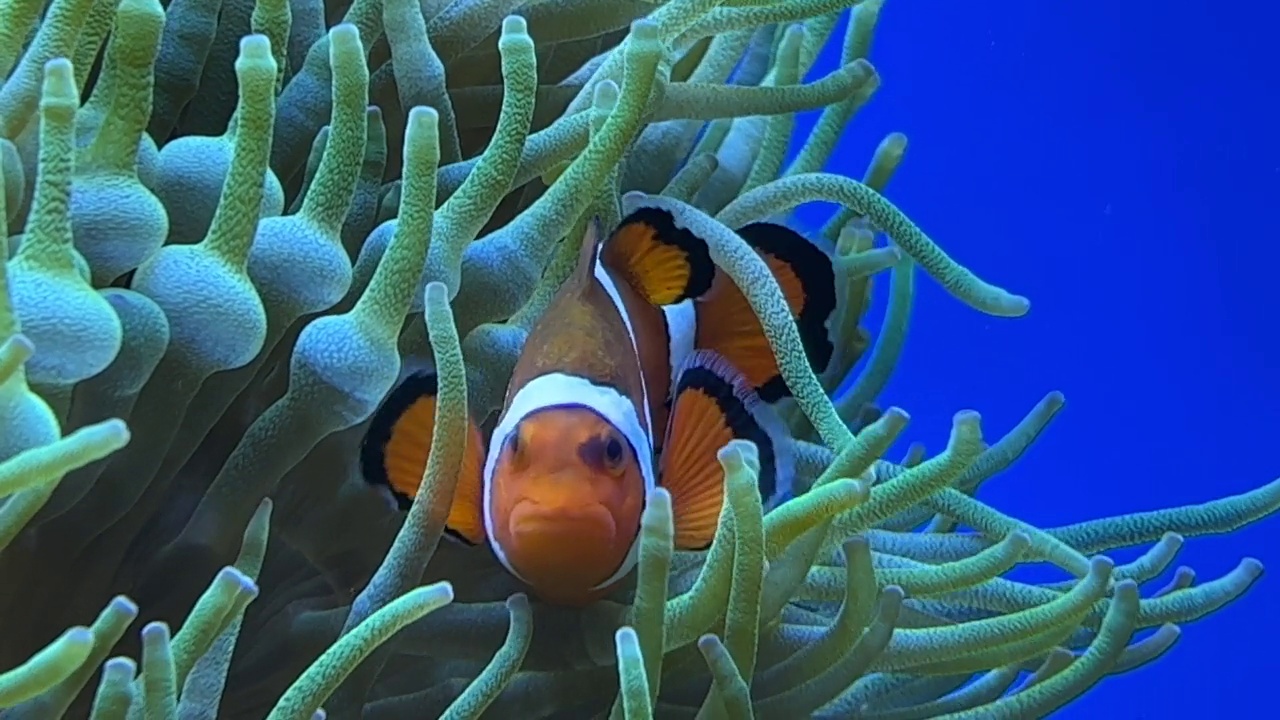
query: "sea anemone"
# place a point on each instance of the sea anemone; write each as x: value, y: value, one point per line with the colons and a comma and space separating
x: 233, y: 226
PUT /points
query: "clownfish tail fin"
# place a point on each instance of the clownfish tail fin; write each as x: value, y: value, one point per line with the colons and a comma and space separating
x: 728, y: 325
x: 663, y: 262
x: 712, y: 403
x: 397, y: 445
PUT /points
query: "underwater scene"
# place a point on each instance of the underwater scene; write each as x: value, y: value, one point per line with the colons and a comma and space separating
x: 637, y: 359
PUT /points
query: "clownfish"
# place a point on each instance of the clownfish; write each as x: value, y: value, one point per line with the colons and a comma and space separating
x: 647, y: 361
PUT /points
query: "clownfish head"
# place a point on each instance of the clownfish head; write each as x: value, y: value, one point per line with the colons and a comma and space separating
x: 565, y: 500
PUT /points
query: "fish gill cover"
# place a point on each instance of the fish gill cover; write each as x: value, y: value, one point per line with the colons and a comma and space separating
x: 232, y: 226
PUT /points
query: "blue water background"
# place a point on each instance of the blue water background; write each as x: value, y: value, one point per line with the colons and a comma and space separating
x: 1120, y: 165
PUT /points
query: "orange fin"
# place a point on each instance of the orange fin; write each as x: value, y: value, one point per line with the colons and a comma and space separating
x: 712, y: 404
x: 662, y: 261
x: 396, y: 447
x: 728, y: 325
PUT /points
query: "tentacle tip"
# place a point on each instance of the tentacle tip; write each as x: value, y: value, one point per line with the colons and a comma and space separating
x: 633, y: 199
x: 232, y: 574
x: 646, y: 30
x: 1101, y: 565
x: 604, y: 96
x: 860, y: 66
x: 124, y: 605
x: 514, y: 25
x: 57, y: 66
x: 436, y: 293
x: 155, y: 631
x: 1252, y: 567
x: 855, y: 545
x: 966, y: 424
x: 1127, y: 586
x: 443, y: 591
x: 114, y: 431
x: 59, y: 80
x: 256, y: 47
x: 518, y: 602
x: 423, y: 120
x: 265, y: 507
x: 344, y: 36
x: 251, y: 591
x: 625, y: 639
x: 1015, y: 306
x: 897, y: 140
x: 1020, y: 540
x: 78, y: 635
x: 738, y: 453
x: 120, y: 666
x: 893, y: 594
x: 897, y: 414
x: 659, y: 499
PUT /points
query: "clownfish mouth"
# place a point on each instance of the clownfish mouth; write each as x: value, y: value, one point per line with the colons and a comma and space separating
x: 536, y: 523
x: 563, y: 547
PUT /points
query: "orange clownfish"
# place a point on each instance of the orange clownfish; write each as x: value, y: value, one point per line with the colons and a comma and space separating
x: 647, y: 361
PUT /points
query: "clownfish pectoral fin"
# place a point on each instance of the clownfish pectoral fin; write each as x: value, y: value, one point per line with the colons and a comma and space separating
x: 396, y: 447
x: 663, y: 262
x: 712, y: 404
x: 728, y: 325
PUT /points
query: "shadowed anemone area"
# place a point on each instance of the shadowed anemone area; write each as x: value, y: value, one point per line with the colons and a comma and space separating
x: 234, y: 225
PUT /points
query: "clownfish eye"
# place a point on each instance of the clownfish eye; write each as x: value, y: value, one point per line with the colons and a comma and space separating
x: 613, y: 452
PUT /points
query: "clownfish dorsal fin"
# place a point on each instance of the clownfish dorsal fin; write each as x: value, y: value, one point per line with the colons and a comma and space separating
x: 728, y: 325
x: 396, y: 447
x: 588, y: 254
x: 712, y: 403
x: 662, y: 261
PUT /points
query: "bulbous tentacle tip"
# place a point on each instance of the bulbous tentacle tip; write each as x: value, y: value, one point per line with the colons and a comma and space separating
x: 515, y: 25
x: 233, y: 577
x: 518, y: 602
x: 435, y: 293
x: 423, y: 119
x: 604, y: 97
x: 256, y: 48
x: 59, y: 87
x: 344, y: 37
x: 646, y: 30
x: 1101, y: 565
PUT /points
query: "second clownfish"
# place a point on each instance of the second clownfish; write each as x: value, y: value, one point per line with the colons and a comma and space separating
x: 647, y: 361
